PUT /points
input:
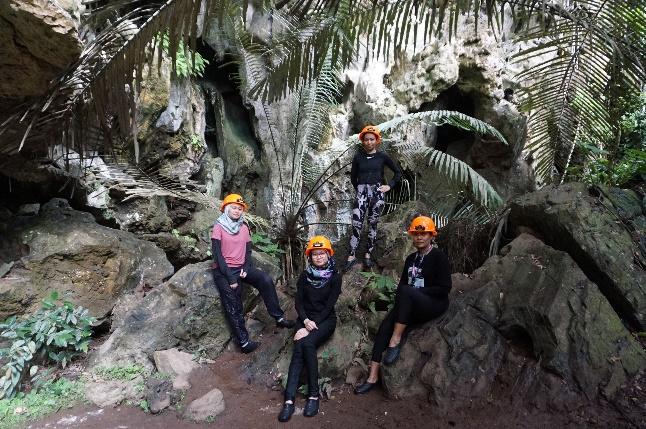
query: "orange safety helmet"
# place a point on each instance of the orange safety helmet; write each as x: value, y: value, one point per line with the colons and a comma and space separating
x: 422, y: 224
x: 372, y: 130
x: 319, y: 242
x: 233, y: 199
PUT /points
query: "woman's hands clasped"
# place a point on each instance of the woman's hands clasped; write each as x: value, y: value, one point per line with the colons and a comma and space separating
x: 310, y: 325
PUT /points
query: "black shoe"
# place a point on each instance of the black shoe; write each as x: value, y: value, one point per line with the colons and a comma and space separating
x: 392, y: 354
x: 311, y: 408
x: 368, y: 263
x: 350, y: 264
x: 285, y: 323
x: 364, y: 388
x: 250, y: 346
x: 286, y: 413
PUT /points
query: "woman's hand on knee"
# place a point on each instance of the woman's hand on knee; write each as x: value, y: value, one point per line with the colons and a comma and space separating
x: 301, y: 333
x: 233, y: 286
x: 243, y: 274
x: 310, y: 324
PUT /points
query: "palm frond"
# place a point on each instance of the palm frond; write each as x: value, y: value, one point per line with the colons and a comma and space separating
x: 588, y: 46
x: 455, y: 170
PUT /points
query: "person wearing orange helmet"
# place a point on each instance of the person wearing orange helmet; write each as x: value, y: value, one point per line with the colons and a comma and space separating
x: 231, y: 243
x: 367, y: 177
x: 422, y: 295
x: 317, y: 291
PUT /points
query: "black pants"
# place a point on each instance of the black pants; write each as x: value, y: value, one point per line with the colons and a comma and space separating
x: 305, y: 351
x: 232, y: 298
x: 411, y: 306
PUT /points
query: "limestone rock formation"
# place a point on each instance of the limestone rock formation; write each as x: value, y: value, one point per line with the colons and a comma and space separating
x: 600, y: 229
x: 39, y: 40
x: 529, y: 321
x: 66, y: 250
x: 185, y: 311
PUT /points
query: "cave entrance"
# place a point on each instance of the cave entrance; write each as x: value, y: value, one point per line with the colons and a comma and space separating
x: 450, y: 139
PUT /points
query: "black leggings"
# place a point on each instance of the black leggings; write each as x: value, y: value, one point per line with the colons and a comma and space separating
x: 305, y: 351
x: 232, y: 298
x: 411, y: 306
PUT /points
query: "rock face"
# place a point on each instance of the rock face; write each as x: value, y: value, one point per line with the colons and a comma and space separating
x: 112, y: 392
x: 185, y: 311
x: 529, y: 321
x: 599, y: 228
x: 39, y: 40
x: 66, y: 250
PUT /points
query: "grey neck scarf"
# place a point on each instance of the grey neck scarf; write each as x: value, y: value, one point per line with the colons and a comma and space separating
x: 231, y: 226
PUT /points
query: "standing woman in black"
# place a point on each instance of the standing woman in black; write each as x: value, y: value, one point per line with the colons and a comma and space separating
x: 317, y: 291
x: 367, y: 177
x: 422, y: 295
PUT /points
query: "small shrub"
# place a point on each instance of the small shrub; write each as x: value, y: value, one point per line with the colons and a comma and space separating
x: 384, y: 287
x: 56, y: 333
x: 266, y: 244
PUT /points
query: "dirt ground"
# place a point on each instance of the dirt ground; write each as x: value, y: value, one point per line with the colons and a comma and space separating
x: 256, y: 406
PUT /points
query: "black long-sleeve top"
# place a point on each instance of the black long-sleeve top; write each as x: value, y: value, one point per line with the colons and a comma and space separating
x: 317, y: 304
x: 369, y: 169
x: 221, y: 264
x: 435, y: 270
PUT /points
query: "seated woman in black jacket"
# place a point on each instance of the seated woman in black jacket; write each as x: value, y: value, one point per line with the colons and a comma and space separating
x: 422, y: 295
x: 317, y: 291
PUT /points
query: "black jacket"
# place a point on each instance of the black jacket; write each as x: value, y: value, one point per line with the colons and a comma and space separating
x: 317, y: 304
x: 436, y: 271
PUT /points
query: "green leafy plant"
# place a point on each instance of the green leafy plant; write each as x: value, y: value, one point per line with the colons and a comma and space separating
x: 51, y: 397
x: 384, y: 287
x: 266, y: 244
x: 184, y: 66
x: 56, y: 333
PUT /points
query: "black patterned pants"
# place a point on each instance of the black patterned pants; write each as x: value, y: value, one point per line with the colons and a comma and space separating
x: 371, y: 201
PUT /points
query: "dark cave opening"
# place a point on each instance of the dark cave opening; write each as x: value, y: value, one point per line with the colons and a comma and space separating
x: 451, y: 139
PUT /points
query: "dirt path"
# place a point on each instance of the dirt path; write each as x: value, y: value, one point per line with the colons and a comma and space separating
x: 253, y: 406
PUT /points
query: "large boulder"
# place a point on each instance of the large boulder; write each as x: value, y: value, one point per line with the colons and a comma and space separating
x: 184, y: 312
x: 528, y: 324
x: 65, y: 250
x: 599, y: 228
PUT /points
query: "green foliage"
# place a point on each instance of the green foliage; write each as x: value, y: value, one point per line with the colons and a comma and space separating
x: 143, y: 404
x: 384, y: 287
x: 609, y: 163
x: 121, y: 372
x: 50, y: 398
x: 55, y: 332
x: 184, y: 66
x: 266, y: 244
x: 325, y: 387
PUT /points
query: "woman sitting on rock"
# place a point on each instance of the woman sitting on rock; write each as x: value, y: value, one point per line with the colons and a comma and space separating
x: 422, y: 295
x: 231, y: 242
x: 367, y: 176
x: 317, y: 291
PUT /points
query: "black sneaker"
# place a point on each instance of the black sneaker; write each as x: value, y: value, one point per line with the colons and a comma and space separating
x: 249, y: 346
x: 392, y: 354
x: 286, y: 413
x: 311, y: 408
x: 364, y: 388
x: 285, y: 323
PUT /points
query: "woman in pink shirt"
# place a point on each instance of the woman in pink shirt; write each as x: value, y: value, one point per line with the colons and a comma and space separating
x: 231, y: 241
